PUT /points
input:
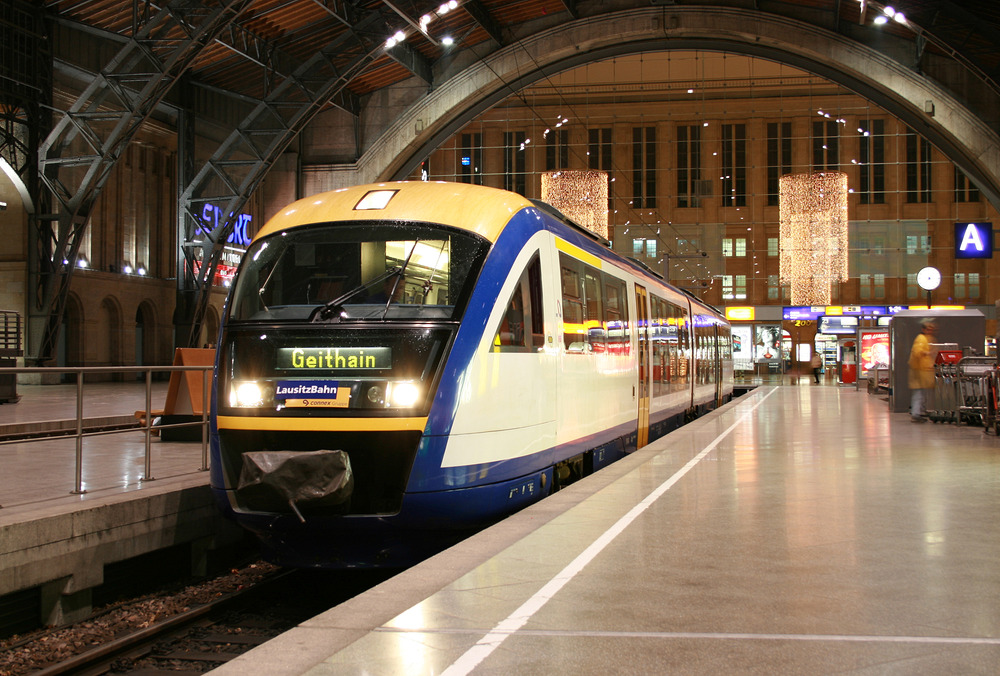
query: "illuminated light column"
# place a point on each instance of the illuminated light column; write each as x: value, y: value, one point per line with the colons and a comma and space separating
x: 812, y: 212
x: 580, y: 195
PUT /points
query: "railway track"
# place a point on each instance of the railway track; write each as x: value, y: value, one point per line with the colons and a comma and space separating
x: 209, y: 634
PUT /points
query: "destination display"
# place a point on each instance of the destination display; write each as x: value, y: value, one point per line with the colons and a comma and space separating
x: 334, y: 358
x: 812, y: 313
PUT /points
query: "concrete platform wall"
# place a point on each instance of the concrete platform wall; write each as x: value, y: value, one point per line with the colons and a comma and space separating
x: 64, y: 553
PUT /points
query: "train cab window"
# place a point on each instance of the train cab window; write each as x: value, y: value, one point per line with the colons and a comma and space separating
x: 522, y: 328
x: 358, y: 271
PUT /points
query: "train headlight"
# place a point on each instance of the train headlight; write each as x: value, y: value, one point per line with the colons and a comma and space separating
x: 403, y: 395
x: 375, y: 394
x: 246, y: 394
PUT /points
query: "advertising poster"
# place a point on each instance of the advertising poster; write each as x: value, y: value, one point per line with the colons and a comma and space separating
x: 874, y: 350
x: 767, y: 346
x: 742, y: 347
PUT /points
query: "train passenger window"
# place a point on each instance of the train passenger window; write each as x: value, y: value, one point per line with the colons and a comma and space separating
x: 522, y: 328
x: 706, y: 349
x: 616, y: 316
x: 574, y: 335
x: 670, y: 346
x: 583, y: 307
x: 594, y: 322
x: 683, y: 342
x: 659, y: 346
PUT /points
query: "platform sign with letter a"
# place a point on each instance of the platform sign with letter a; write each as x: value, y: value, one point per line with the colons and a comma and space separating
x: 973, y: 240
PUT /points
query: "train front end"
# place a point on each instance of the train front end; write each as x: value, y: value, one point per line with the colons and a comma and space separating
x: 337, y: 330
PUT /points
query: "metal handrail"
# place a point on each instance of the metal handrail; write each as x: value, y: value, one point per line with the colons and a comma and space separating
x: 81, y: 371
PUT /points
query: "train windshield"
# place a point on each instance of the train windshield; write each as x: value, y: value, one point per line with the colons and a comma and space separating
x: 358, y: 271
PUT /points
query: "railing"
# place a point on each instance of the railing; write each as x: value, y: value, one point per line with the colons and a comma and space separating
x: 148, y: 427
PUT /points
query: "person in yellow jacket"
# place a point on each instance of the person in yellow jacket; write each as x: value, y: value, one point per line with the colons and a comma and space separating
x: 921, y: 375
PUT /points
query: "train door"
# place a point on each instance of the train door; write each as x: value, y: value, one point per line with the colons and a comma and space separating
x: 642, y: 327
x: 717, y: 370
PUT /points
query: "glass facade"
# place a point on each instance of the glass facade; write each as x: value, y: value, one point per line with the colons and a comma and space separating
x: 694, y: 145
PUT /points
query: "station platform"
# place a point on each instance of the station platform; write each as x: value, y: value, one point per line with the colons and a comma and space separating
x: 798, y: 530
x: 56, y: 543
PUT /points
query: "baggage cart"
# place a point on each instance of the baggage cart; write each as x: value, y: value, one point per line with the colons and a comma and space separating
x: 945, y: 404
x: 973, y: 380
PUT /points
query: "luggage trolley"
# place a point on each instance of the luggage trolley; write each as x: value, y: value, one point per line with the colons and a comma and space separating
x: 992, y: 421
x: 946, y: 390
x: 974, y: 374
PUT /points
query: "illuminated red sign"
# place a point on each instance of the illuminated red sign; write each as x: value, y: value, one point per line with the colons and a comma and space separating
x: 874, y: 350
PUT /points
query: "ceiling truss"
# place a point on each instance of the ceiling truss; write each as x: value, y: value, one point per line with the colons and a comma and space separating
x: 288, y: 85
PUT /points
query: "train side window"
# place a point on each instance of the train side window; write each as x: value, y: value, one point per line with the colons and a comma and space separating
x: 574, y: 335
x: 537, y: 319
x: 669, y: 328
x: 659, y: 337
x: 681, y: 320
x: 705, y: 353
x: 522, y: 328
x: 595, y: 309
x: 616, y: 316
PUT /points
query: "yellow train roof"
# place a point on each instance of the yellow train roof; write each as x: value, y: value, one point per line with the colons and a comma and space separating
x: 476, y: 208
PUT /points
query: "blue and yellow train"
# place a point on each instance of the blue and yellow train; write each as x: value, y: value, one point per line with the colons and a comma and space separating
x: 401, y: 364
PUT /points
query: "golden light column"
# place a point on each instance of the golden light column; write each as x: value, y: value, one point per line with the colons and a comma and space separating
x: 812, y: 213
x: 580, y: 195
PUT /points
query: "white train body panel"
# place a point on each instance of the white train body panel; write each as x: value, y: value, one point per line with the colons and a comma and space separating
x: 586, y: 394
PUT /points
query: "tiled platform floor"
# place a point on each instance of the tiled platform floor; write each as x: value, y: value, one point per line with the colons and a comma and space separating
x: 42, y: 474
x: 801, y: 530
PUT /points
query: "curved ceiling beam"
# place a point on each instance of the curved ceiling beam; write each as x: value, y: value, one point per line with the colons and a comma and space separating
x: 958, y: 132
x: 880, y: 70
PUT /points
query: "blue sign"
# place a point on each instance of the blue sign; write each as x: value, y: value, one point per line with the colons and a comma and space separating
x: 802, y: 312
x: 865, y: 310
x: 973, y: 240
x: 239, y: 236
x: 298, y: 389
x: 808, y: 313
x: 838, y: 325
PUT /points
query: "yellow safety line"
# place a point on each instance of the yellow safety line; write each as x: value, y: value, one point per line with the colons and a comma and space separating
x: 227, y: 422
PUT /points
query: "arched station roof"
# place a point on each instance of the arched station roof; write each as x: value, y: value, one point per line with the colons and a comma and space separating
x: 933, y: 63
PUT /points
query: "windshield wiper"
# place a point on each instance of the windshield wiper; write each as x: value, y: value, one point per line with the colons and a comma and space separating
x: 331, y: 308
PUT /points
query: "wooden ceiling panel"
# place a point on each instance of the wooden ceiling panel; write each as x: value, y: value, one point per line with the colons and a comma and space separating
x: 280, y: 35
